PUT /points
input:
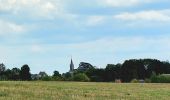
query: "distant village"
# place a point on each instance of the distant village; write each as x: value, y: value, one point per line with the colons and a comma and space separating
x: 83, y: 66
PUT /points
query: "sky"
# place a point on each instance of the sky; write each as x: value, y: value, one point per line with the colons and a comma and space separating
x: 45, y: 34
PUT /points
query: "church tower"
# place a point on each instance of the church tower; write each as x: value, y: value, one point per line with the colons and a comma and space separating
x: 71, y: 66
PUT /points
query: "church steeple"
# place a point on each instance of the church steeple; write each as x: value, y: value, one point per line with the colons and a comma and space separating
x: 71, y: 66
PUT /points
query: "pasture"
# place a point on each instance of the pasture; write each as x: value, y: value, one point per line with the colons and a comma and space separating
x: 38, y: 90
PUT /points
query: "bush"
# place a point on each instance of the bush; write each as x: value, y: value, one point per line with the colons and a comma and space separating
x: 67, y: 77
x: 3, y: 78
x: 134, y: 81
x: 46, y: 78
x: 56, y: 78
x: 160, y: 79
x: 147, y: 80
x: 81, y: 77
x: 164, y: 79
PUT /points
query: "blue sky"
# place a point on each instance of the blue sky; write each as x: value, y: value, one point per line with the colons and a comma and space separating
x: 45, y: 33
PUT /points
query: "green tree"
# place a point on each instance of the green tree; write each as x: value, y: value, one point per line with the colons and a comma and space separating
x: 8, y: 74
x: 112, y: 72
x: 132, y: 69
x: 25, y: 73
x: 67, y: 76
x: 15, y: 74
x: 56, y: 74
x: 2, y: 69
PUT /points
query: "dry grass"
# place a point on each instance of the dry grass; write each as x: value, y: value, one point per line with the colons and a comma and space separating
x: 82, y: 91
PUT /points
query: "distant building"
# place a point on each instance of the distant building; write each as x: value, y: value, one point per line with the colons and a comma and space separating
x: 71, y: 66
x: 83, y: 66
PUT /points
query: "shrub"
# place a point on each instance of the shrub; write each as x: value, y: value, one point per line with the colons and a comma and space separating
x: 134, y: 81
x: 46, y: 78
x: 147, y: 80
x: 81, y: 77
x: 160, y: 79
x: 154, y: 78
x: 56, y: 78
x: 67, y: 76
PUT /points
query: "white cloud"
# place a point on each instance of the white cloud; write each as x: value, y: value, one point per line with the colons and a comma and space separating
x: 152, y: 15
x: 120, y: 47
x: 35, y: 8
x: 113, y: 44
x: 10, y: 28
x: 95, y: 20
x: 123, y: 3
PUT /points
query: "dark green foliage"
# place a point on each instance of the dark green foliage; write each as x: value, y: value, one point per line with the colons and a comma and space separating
x: 25, y: 73
x: 160, y: 78
x: 81, y: 77
x: 56, y: 78
x: 2, y: 68
x: 83, y: 66
x: 15, y: 74
x: 134, y: 81
x: 139, y: 69
x: 142, y: 69
x: 147, y: 80
x: 67, y: 76
x: 132, y: 69
x: 156, y: 66
x: 56, y: 74
x: 112, y: 72
x: 96, y: 75
x: 46, y: 78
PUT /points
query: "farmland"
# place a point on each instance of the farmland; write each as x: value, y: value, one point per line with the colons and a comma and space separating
x: 39, y: 90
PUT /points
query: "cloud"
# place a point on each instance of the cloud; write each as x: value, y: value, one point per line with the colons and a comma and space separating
x: 152, y: 15
x: 95, y: 20
x: 138, y: 18
x: 9, y: 28
x: 32, y: 8
x: 123, y: 3
x: 111, y: 45
x: 121, y: 47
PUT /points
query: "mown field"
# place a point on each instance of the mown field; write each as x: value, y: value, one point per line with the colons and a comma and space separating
x: 82, y: 91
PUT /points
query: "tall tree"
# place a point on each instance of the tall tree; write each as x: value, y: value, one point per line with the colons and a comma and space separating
x: 96, y: 75
x: 15, y: 74
x: 25, y: 73
x: 132, y: 69
x: 2, y: 68
x: 56, y: 74
x: 8, y: 74
x: 112, y: 72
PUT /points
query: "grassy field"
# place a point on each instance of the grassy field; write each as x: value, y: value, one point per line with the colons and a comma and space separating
x: 82, y: 91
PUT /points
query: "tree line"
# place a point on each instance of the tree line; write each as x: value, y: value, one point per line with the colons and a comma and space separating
x: 15, y: 73
x: 139, y: 69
